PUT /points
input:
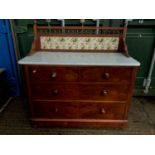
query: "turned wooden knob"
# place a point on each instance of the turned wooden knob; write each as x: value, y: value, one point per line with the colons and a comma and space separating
x: 34, y: 71
x: 53, y: 75
x: 55, y: 92
x: 55, y: 110
x: 106, y: 75
x: 104, y: 92
x: 103, y: 111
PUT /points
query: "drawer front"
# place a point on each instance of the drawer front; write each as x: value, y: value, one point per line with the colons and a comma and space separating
x: 106, y: 92
x: 44, y: 109
x: 52, y: 73
x: 80, y: 74
x: 78, y: 110
x: 104, y: 110
x: 106, y: 74
x: 52, y: 91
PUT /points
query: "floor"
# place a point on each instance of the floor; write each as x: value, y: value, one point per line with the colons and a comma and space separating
x: 14, y: 120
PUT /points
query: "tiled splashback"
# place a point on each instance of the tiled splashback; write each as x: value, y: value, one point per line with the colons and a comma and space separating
x: 79, y: 43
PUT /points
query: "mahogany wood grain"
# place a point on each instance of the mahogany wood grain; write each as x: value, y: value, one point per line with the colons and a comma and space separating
x: 78, y: 35
x: 130, y: 93
x: 68, y: 91
x: 45, y: 73
x: 101, y: 110
x: 78, y: 110
x: 80, y: 96
x: 79, y: 123
x: 106, y: 74
x: 45, y: 109
x: 28, y: 88
x: 80, y: 74
x: 80, y: 28
x: 121, y: 34
x: 81, y: 93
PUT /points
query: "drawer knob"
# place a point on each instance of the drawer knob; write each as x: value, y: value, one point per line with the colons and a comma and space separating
x: 103, y: 111
x: 34, y: 71
x: 55, y: 110
x: 53, y: 75
x: 104, y: 92
x: 55, y: 92
x: 106, y: 75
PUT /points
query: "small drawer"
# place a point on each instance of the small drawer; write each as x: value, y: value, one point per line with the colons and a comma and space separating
x: 103, y: 92
x: 52, y: 91
x: 106, y: 74
x: 104, y: 110
x: 52, y: 73
x: 48, y: 109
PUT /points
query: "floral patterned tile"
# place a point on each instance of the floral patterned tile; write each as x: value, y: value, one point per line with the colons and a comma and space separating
x: 79, y: 43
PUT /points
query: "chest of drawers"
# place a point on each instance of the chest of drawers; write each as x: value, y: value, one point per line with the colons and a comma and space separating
x: 79, y: 80
x: 79, y: 95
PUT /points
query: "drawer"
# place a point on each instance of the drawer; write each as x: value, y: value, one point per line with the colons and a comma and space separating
x: 78, y: 110
x: 45, y: 109
x: 101, y: 110
x: 106, y: 92
x: 52, y: 73
x: 52, y: 91
x: 106, y: 74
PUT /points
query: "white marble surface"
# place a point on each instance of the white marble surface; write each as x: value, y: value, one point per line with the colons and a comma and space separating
x: 78, y: 59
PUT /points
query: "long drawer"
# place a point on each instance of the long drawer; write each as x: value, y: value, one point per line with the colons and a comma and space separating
x: 80, y: 74
x: 57, y: 91
x: 78, y: 110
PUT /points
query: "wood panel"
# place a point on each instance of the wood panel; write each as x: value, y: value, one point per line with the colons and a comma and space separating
x: 57, y: 91
x: 45, y: 109
x: 80, y: 74
x: 51, y: 73
x: 101, y: 110
x: 78, y: 110
x: 80, y: 96
x: 82, y: 123
x: 105, y: 74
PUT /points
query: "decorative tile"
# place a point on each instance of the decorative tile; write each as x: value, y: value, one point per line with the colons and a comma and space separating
x: 79, y: 43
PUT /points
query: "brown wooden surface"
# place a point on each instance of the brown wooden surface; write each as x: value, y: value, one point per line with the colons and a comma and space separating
x: 122, y: 45
x: 45, y: 73
x: 76, y: 123
x: 48, y: 109
x: 130, y: 93
x: 77, y: 95
x: 101, y: 110
x: 84, y: 96
x: 80, y: 74
x: 67, y: 91
x: 105, y: 74
x: 78, y: 35
x: 28, y: 88
x: 80, y: 27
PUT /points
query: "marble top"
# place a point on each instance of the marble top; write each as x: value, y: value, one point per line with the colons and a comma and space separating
x: 78, y: 59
